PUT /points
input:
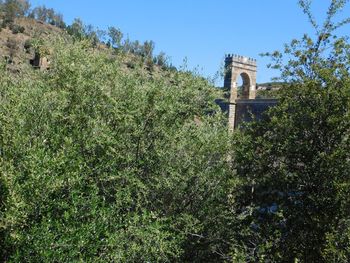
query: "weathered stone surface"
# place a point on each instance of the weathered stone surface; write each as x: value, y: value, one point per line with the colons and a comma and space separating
x: 40, y: 62
x: 243, y: 107
x: 245, y: 67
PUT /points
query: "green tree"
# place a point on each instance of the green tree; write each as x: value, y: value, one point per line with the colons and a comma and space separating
x: 77, y: 29
x: 295, y: 163
x: 162, y: 60
x: 48, y: 15
x: 147, y: 49
x: 92, y: 34
x: 40, y: 13
x: 115, y: 36
x: 14, y: 8
x: 106, y: 165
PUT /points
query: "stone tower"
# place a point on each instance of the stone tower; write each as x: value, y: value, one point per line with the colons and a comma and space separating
x: 245, y: 67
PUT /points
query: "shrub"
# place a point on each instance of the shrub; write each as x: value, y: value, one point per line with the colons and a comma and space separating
x: 16, y: 28
x: 106, y: 165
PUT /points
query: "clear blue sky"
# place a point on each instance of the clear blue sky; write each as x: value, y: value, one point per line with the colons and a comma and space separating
x: 203, y: 31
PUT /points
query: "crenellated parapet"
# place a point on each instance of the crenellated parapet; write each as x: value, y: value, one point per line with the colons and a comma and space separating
x: 240, y: 59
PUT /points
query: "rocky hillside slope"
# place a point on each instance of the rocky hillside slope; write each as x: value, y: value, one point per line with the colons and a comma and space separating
x: 16, y: 40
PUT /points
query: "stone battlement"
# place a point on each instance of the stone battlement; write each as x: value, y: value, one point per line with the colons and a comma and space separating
x: 240, y: 59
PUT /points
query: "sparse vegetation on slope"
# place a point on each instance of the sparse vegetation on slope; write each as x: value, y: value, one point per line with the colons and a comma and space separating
x: 20, y: 26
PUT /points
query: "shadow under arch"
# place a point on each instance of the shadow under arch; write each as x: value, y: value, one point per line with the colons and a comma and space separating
x: 243, y: 85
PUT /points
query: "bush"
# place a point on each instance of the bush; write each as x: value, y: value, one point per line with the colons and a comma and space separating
x: 28, y: 45
x: 12, y: 45
x: 16, y: 28
x: 107, y: 165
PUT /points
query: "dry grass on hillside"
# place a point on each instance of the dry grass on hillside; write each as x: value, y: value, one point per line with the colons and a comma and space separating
x: 14, y: 40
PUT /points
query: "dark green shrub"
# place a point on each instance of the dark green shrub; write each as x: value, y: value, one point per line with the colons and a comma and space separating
x: 16, y: 28
x: 28, y: 45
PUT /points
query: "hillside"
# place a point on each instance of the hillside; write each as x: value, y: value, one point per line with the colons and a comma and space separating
x: 15, y: 39
x: 21, y: 39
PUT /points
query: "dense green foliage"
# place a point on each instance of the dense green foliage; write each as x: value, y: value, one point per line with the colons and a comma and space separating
x: 103, y: 160
x: 100, y: 164
x: 296, y: 163
x: 296, y: 170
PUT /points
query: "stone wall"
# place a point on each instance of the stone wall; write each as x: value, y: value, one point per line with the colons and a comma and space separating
x: 246, y: 110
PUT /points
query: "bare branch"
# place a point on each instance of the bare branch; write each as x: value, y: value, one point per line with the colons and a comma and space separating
x: 306, y: 7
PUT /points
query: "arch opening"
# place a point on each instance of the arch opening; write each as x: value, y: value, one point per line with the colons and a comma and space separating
x: 243, y: 84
